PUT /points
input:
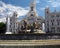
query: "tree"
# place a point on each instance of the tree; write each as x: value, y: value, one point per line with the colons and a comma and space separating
x: 2, y: 27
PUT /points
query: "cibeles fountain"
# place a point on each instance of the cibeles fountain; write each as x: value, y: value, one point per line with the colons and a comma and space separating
x: 31, y: 22
x: 29, y: 28
x: 26, y: 27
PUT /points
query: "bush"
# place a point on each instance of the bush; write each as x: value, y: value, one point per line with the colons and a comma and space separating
x: 2, y: 27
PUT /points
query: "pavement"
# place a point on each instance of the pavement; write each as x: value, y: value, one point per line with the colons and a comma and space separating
x: 29, y: 42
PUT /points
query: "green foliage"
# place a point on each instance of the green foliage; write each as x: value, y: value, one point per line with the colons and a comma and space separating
x: 2, y: 27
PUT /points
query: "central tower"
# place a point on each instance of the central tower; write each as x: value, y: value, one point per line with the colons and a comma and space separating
x: 33, y: 5
x: 32, y: 11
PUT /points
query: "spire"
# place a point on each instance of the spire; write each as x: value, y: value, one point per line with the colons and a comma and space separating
x: 55, y: 9
x: 33, y: 3
x: 32, y: 11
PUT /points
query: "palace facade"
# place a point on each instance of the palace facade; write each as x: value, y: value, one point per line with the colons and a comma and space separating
x: 52, y: 21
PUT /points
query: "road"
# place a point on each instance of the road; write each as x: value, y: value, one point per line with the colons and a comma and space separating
x: 29, y: 42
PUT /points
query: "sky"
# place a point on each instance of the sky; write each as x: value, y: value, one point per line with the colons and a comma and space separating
x: 7, y: 7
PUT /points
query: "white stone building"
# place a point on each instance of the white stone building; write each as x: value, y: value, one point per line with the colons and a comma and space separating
x: 12, y: 25
x: 52, y: 21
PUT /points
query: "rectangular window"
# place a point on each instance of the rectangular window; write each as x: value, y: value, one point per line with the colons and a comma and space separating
x: 57, y: 15
x: 52, y: 22
x: 38, y: 19
x: 47, y: 23
x: 58, y: 29
x: 11, y: 30
x: 10, y: 26
x: 53, y: 29
x: 58, y: 22
x: 52, y: 16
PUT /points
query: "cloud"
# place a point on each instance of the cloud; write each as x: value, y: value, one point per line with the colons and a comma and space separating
x: 21, y: 11
x: 50, y: 0
x: 8, y: 9
x: 42, y: 9
x: 54, y: 3
x: 3, y: 20
x: 37, y: 1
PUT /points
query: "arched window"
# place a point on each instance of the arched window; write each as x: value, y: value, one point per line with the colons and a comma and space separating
x: 32, y: 15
